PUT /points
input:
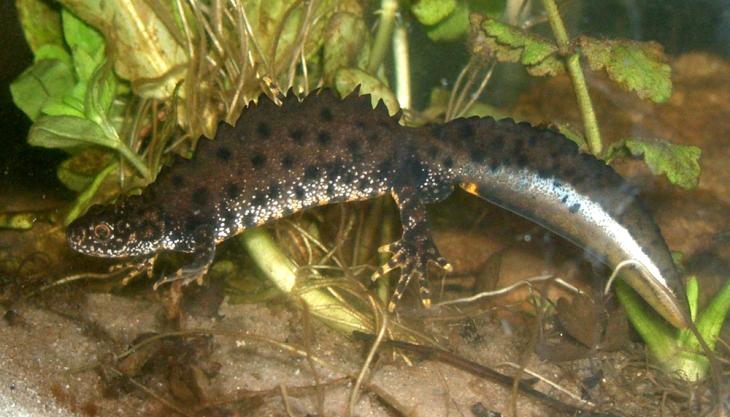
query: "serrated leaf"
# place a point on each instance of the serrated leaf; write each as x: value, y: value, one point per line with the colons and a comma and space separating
x: 512, y: 44
x: 430, y: 12
x: 347, y: 79
x: 636, y: 66
x: 45, y: 81
x: 680, y: 163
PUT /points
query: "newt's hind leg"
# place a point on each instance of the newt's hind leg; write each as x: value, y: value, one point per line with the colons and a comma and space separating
x: 414, y: 251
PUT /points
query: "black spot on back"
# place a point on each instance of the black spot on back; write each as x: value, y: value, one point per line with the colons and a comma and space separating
x: 466, y: 130
x: 522, y: 160
x: 192, y: 223
x: 324, y: 138
x: 178, y: 180
x: 384, y: 169
x: 496, y: 144
x: 546, y: 173
x: 274, y: 191
x: 363, y: 183
x: 349, y: 177
x: 299, y: 193
x: 258, y: 160
x: 564, y: 199
x: 478, y: 155
x: 249, y: 220
x: 574, y: 208
x: 259, y: 199
x: 353, y: 146
x: 201, y: 196
x: 335, y: 170
x: 330, y: 190
x: 297, y: 136
x: 311, y: 173
x: 326, y: 114
x: 287, y: 161
x: 437, y: 131
x: 433, y: 152
x: 263, y: 130
x: 355, y: 149
x: 223, y: 153
x: 448, y: 162
x: 229, y: 217
x: 232, y: 191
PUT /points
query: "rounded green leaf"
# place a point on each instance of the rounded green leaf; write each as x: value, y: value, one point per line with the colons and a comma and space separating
x: 45, y: 81
x: 430, y: 12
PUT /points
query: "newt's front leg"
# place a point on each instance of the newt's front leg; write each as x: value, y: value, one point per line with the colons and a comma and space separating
x: 203, y: 250
x: 414, y: 251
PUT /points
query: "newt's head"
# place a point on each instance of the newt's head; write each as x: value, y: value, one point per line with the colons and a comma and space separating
x: 127, y: 228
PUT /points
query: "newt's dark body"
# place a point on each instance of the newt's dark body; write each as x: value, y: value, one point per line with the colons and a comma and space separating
x: 279, y: 160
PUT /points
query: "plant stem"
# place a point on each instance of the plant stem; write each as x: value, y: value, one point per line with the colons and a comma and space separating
x: 282, y: 272
x: 82, y: 200
x: 402, y: 62
x: 572, y: 64
x: 383, y: 36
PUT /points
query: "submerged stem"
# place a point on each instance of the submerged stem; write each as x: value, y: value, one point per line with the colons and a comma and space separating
x: 572, y: 64
x: 388, y: 8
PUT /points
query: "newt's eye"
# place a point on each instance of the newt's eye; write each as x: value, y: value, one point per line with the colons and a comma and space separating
x: 102, y: 232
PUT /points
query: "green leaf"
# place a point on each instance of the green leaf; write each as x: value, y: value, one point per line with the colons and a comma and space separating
x: 83, y: 200
x: 77, y: 172
x: 635, y: 66
x: 511, y: 44
x: 680, y: 163
x: 346, y: 43
x: 41, y: 23
x: 430, y: 12
x: 659, y: 337
x: 100, y: 95
x: 347, y: 79
x: 45, y: 81
x: 68, y: 132
x: 52, y: 51
x: 711, y: 319
x: 86, y: 43
x: 452, y: 27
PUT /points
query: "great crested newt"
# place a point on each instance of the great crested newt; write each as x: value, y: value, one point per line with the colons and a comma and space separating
x: 321, y: 150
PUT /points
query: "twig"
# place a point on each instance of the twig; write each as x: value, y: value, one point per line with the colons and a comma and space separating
x: 488, y: 373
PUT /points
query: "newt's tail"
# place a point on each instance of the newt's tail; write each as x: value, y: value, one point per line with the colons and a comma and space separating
x: 541, y: 175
